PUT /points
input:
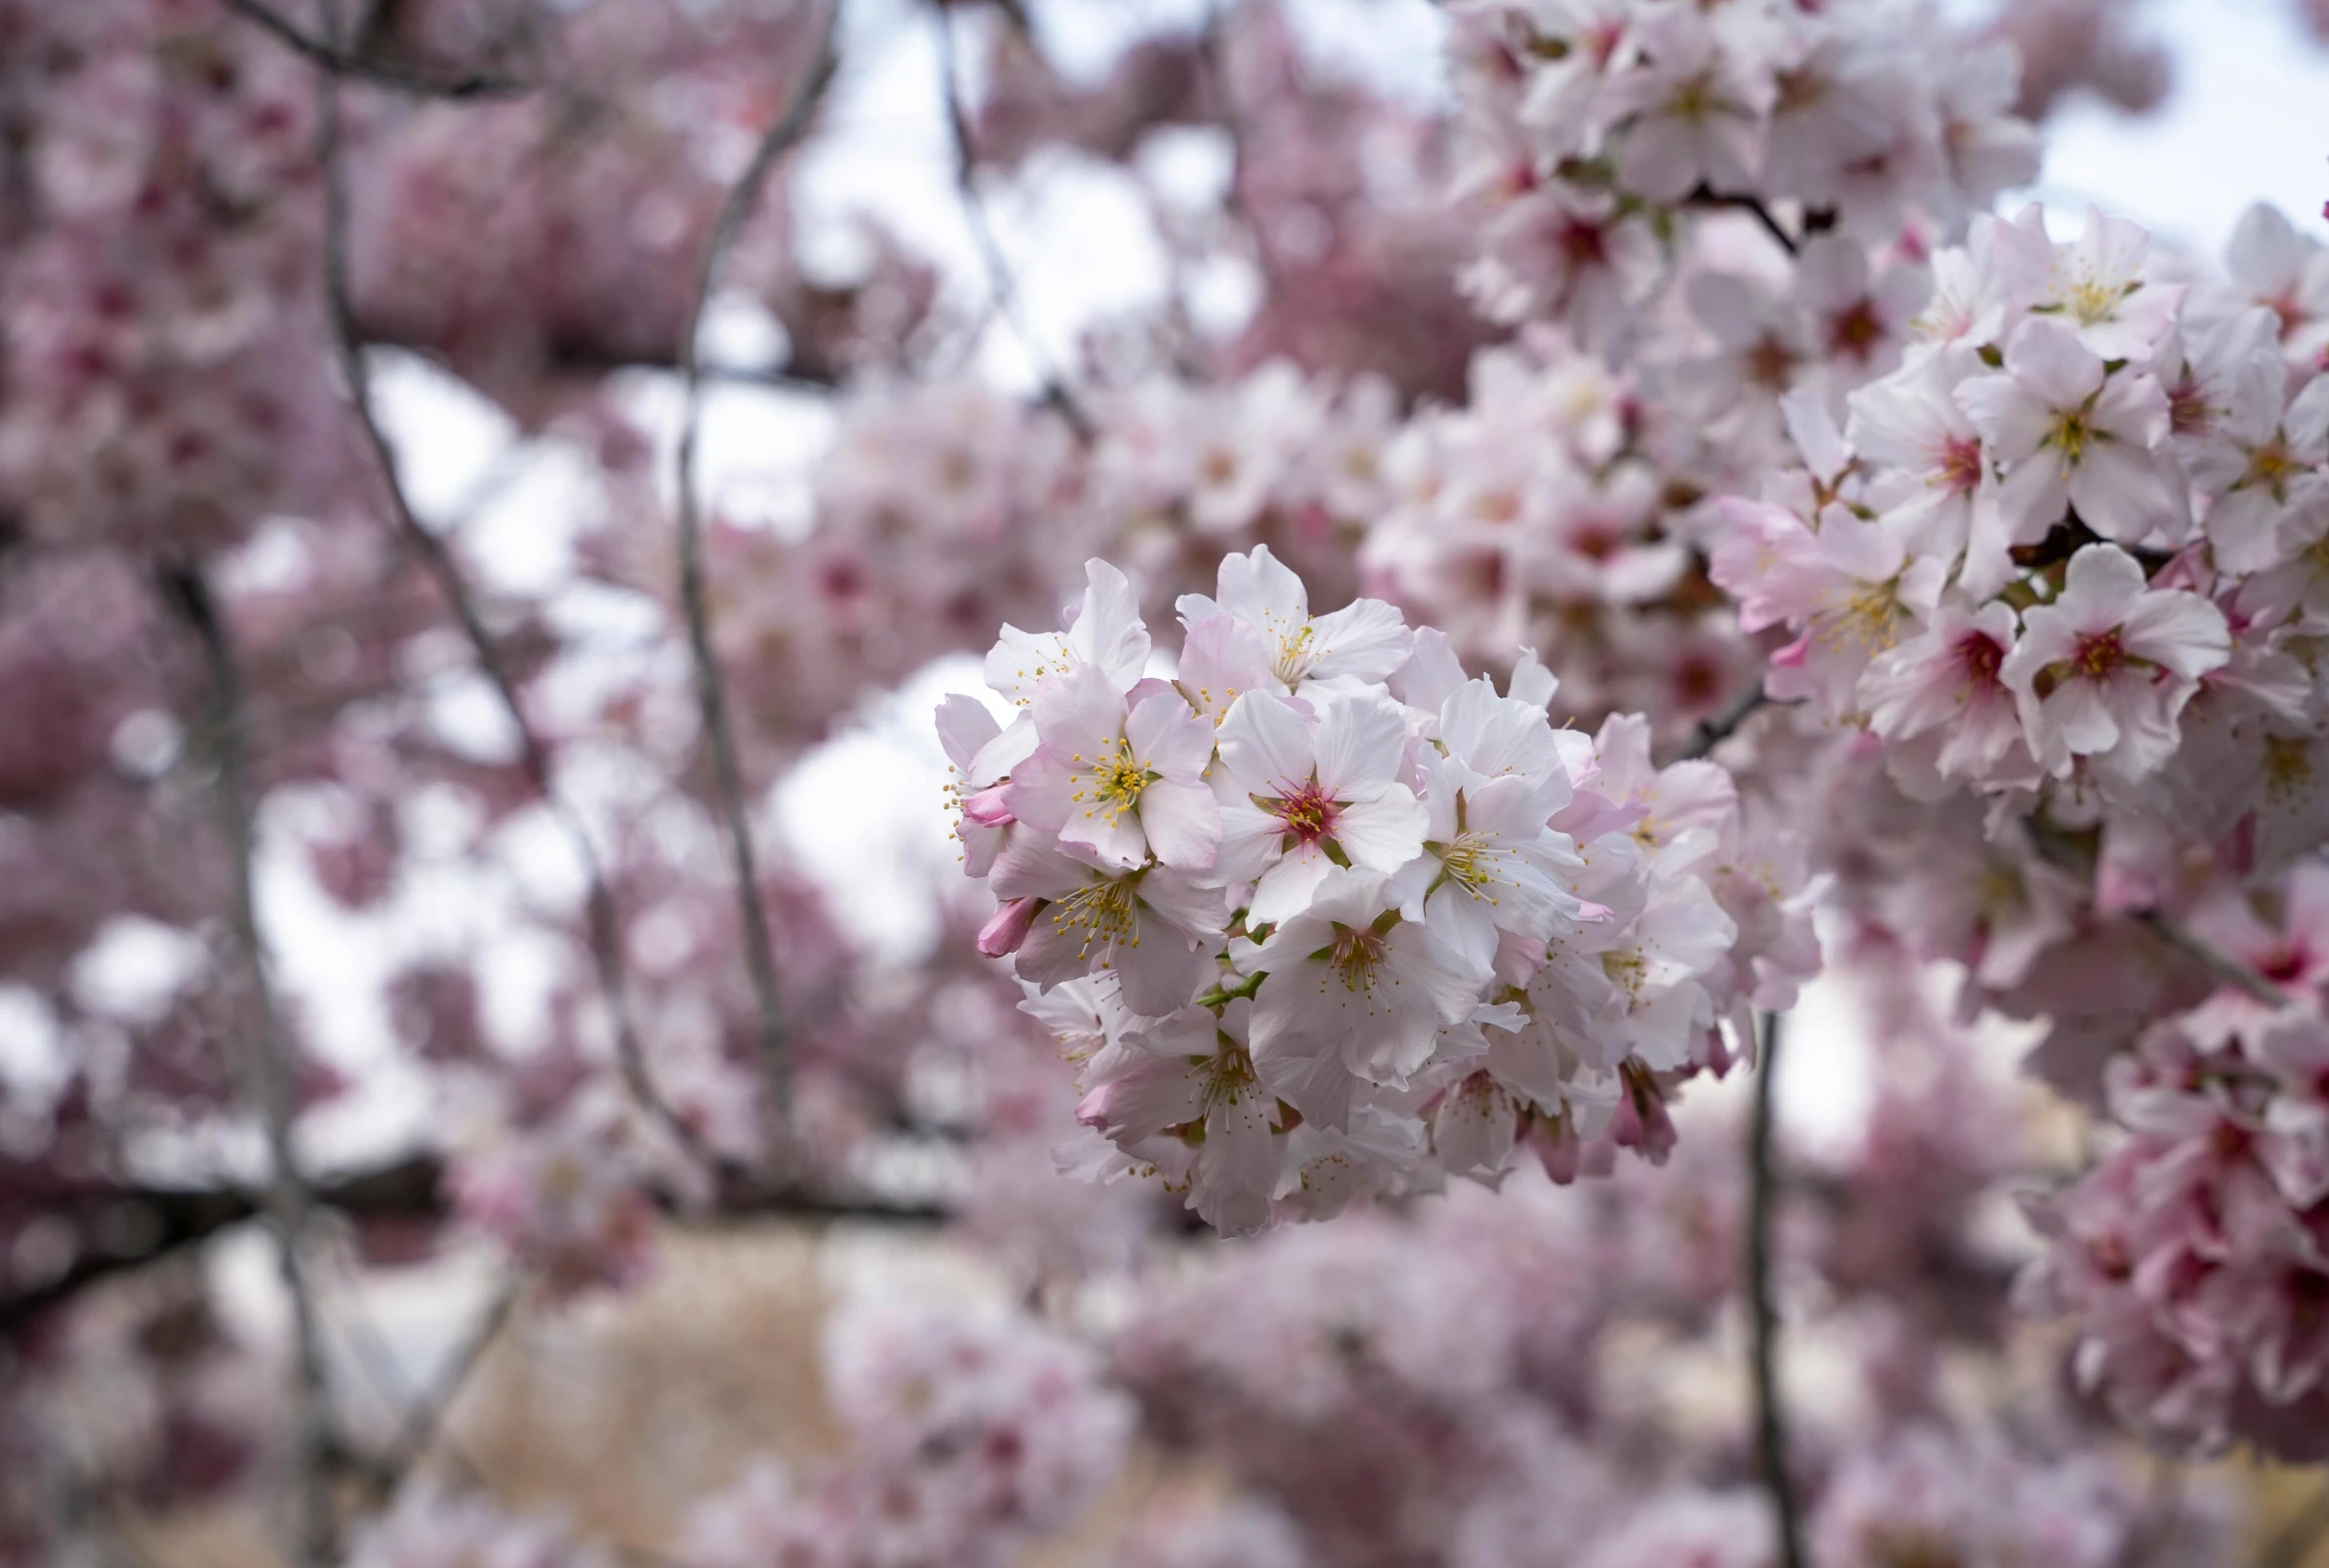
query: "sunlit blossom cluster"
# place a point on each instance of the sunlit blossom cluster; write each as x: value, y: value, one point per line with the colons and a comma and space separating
x: 1319, y: 914
x: 1597, y: 126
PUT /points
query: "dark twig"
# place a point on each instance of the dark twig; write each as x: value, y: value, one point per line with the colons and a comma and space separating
x: 268, y: 1071
x: 182, y: 1218
x: 2171, y: 933
x: 371, y: 68
x: 1754, y: 207
x: 2222, y: 967
x: 1770, y: 1407
x: 604, y: 922
x: 710, y: 690
x: 423, y: 1421
x: 997, y: 266
x: 2291, y: 1546
x: 1713, y: 732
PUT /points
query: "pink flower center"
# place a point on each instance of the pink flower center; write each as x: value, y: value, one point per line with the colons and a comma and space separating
x: 2294, y: 318
x: 1979, y: 656
x: 2286, y: 965
x: 1961, y: 465
x: 1856, y: 331
x: 2187, y: 409
x: 1581, y: 244
x: 1309, y: 814
x: 1770, y: 363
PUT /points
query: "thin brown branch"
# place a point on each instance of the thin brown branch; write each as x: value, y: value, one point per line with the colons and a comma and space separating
x: 270, y: 1078
x: 1754, y: 207
x: 427, y: 1418
x: 1769, y: 1405
x: 1001, y: 280
x: 2220, y: 966
x: 370, y: 67
x: 2171, y: 933
x: 1713, y: 732
x: 710, y: 690
x: 602, y: 917
x: 182, y: 1218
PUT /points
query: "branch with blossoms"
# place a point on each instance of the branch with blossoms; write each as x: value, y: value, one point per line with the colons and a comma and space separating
x: 1323, y: 919
x: 710, y: 690
x: 1002, y: 284
x: 269, y: 1073
x: 1579, y: 472
x: 174, y: 1221
x: 436, y: 556
x: 377, y: 72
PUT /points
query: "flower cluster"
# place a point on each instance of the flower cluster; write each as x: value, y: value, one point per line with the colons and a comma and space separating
x: 971, y: 1438
x: 1543, y: 514
x: 565, y: 1194
x: 1597, y: 126
x: 2075, y: 509
x: 1926, y: 1496
x: 1320, y: 913
x: 428, y: 1528
x: 2195, y: 1254
x: 164, y: 372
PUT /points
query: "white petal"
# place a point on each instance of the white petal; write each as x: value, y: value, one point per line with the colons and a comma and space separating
x: 1385, y: 833
x: 1182, y: 822
x: 1267, y: 744
x: 1364, y: 640
x: 1361, y: 741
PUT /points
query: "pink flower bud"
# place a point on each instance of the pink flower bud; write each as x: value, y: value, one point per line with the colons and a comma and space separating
x: 1008, y: 929
x: 987, y: 809
x: 1092, y: 1109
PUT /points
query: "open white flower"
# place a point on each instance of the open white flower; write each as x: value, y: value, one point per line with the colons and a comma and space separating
x: 2261, y: 461
x: 1143, y: 926
x: 1693, y: 110
x: 2069, y: 433
x: 1107, y: 634
x: 2107, y: 667
x: 1121, y: 783
x: 1365, y: 640
x: 1302, y: 790
x: 1348, y: 975
x: 1192, y: 1077
x: 1491, y: 868
x: 2094, y: 286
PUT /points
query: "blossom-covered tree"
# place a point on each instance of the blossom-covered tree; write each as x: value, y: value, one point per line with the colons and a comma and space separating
x: 1555, y: 574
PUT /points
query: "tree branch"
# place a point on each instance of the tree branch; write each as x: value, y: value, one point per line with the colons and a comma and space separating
x: 423, y: 1421
x: 710, y: 690
x: 1713, y: 732
x: 602, y: 920
x: 268, y: 1072
x: 367, y: 68
x: 1754, y: 207
x: 997, y: 266
x: 2222, y: 967
x: 2171, y: 933
x: 1770, y: 1407
x: 412, y: 1190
